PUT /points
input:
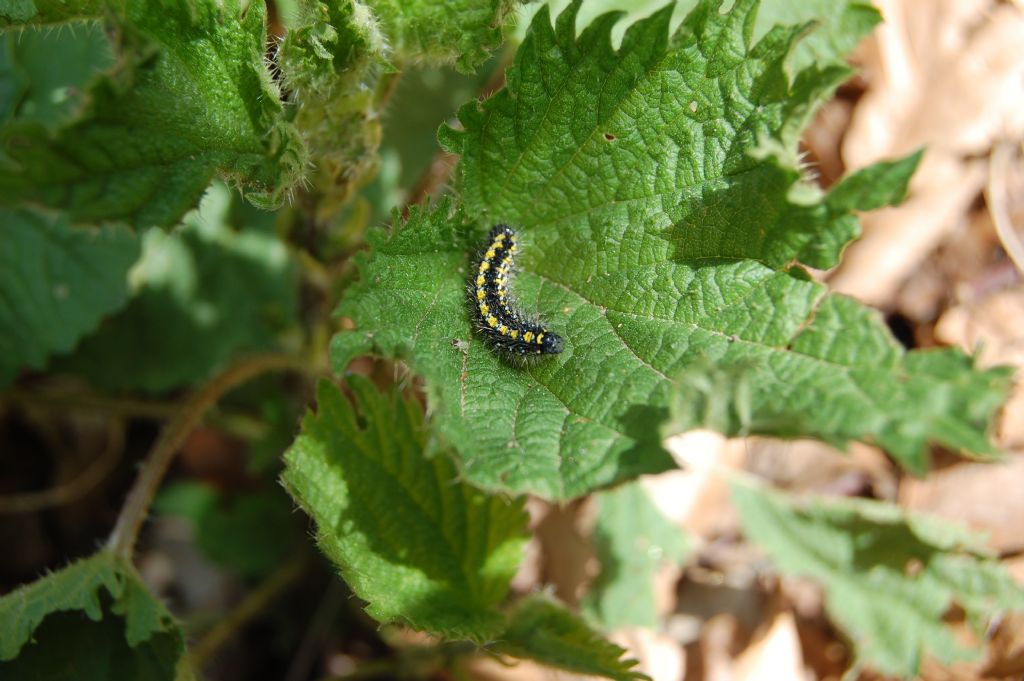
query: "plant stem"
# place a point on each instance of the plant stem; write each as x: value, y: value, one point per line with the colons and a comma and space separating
x: 252, y: 605
x: 136, y: 507
x: 307, y: 652
x: 432, y: 180
x: 386, y: 88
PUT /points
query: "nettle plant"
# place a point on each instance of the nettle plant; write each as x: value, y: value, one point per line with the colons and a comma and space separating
x: 665, y: 228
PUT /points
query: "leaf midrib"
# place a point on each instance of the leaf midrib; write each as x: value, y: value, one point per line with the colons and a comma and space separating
x: 667, y: 320
x: 358, y: 439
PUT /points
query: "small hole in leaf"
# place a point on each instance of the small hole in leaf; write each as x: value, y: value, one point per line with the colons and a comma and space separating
x: 610, y: 137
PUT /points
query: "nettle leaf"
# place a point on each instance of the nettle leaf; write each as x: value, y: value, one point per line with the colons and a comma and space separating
x: 17, y: 11
x: 188, y: 99
x: 461, y: 31
x: 632, y: 539
x: 56, y: 283
x: 418, y: 545
x: 541, y: 629
x: 889, y: 576
x: 836, y: 25
x: 93, y: 620
x: 661, y: 213
x: 43, y: 12
x: 31, y: 89
x: 202, y: 293
x: 842, y: 378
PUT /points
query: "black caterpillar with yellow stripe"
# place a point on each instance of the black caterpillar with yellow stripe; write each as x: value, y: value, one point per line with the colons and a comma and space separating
x: 507, y: 330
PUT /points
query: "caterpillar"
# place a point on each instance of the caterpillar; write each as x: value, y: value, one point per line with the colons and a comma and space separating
x: 505, y: 329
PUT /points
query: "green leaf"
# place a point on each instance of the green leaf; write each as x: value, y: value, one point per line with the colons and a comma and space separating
x: 409, y: 538
x: 633, y: 539
x: 202, y: 293
x: 17, y: 11
x: 836, y: 26
x: 185, y: 500
x: 661, y: 210
x: 644, y: 156
x: 541, y: 629
x: 32, y: 90
x: 713, y: 397
x: 124, y: 634
x: 898, y: 400
x: 56, y: 283
x: 189, y: 98
x: 879, y: 185
x: 461, y: 31
x: 42, y: 12
x: 889, y: 577
x: 249, y: 533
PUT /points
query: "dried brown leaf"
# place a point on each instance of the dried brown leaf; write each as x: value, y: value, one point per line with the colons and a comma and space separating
x: 946, y: 74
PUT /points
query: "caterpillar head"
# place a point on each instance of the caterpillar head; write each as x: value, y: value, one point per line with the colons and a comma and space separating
x: 552, y: 344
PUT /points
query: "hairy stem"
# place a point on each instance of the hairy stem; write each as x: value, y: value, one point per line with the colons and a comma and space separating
x: 136, y: 507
